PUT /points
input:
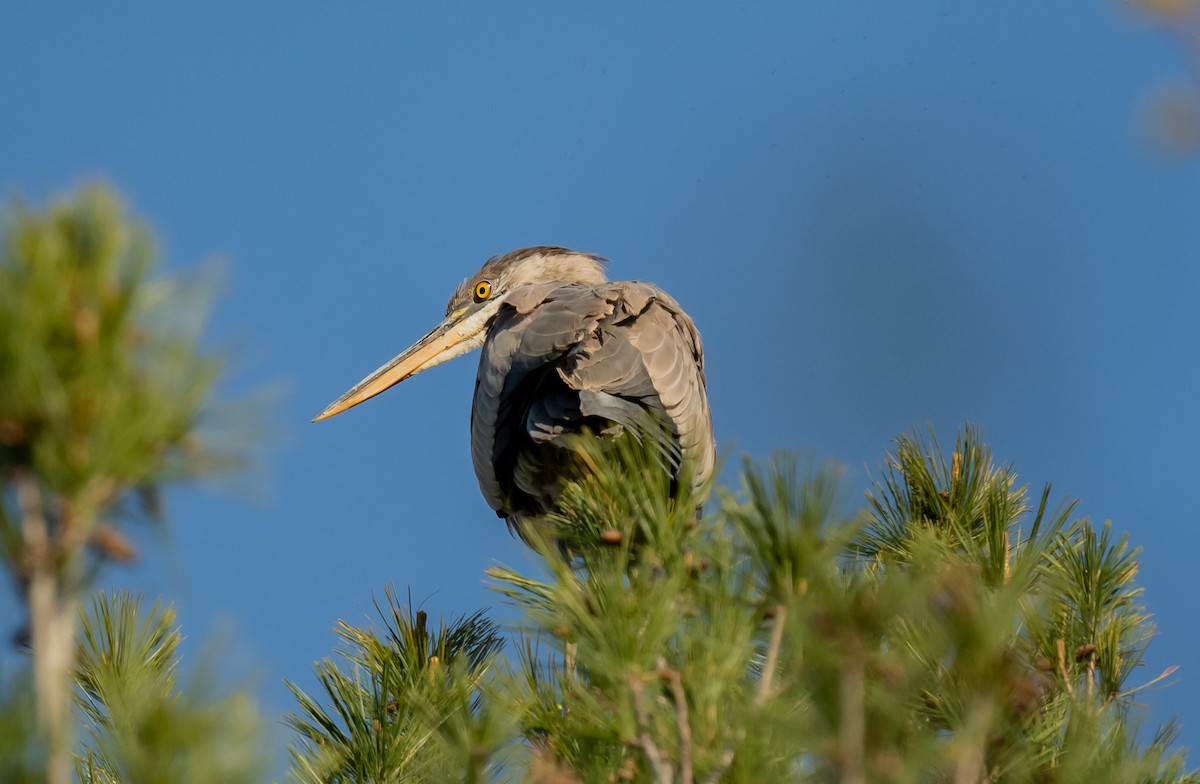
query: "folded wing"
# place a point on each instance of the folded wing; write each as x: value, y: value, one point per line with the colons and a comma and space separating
x: 614, y: 357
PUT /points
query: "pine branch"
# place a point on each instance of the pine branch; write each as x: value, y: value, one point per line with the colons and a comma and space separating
x: 950, y: 633
x: 103, y: 389
x: 141, y: 725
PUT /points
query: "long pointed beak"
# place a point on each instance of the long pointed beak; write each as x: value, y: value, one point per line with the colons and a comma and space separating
x: 454, y: 336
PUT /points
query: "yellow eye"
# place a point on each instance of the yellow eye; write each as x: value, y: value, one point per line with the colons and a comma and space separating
x: 483, y: 290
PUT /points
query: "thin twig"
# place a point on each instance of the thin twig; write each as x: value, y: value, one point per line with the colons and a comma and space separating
x: 34, y: 527
x: 662, y: 768
x: 1061, y: 645
x: 719, y: 771
x: 51, y: 629
x: 685, y: 726
x: 767, y: 678
x: 852, y: 732
x: 570, y: 653
x: 970, y: 767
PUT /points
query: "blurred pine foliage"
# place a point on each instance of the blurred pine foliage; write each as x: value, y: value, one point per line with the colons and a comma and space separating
x: 104, y: 387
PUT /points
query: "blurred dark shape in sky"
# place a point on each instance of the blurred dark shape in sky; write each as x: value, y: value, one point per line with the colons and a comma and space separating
x: 1172, y: 113
x: 1173, y: 119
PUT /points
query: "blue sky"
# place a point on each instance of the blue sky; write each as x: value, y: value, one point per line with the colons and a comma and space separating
x: 881, y: 216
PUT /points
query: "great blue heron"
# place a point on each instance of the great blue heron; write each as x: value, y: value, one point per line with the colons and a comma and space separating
x: 564, y: 350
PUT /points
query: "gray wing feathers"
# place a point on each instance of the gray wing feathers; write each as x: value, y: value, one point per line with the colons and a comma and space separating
x: 544, y: 322
x: 635, y: 420
x: 624, y: 347
x: 650, y: 350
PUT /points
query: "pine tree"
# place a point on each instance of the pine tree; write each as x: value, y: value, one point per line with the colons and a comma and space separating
x: 950, y: 632
x: 102, y: 392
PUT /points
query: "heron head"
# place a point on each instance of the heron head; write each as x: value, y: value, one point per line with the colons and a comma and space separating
x: 471, y: 309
